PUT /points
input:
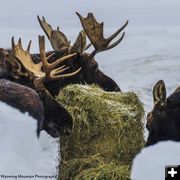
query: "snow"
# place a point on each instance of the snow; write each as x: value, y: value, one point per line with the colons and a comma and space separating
x: 151, y: 162
x: 21, y: 152
x: 148, y: 53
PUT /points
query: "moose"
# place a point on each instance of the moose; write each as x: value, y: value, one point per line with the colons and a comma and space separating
x: 48, y: 72
x: 163, y: 121
x: 90, y: 72
x: 18, y: 63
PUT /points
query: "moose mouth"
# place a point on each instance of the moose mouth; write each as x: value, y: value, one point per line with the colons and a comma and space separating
x: 55, y: 131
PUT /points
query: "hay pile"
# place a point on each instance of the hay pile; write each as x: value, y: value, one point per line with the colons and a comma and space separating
x: 107, y: 126
x: 94, y: 167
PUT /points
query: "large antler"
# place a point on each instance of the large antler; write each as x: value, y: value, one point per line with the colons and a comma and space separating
x: 94, y: 31
x: 60, y: 42
x: 44, y: 71
x: 57, y: 38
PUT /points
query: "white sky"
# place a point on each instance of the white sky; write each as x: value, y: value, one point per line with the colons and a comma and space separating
x: 18, y: 17
x: 22, y: 13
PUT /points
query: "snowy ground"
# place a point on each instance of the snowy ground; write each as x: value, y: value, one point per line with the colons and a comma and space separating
x: 149, y: 51
x: 150, y: 163
x: 21, y: 152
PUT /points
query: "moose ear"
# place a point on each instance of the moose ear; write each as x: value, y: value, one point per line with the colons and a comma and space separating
x: 80, y: 43
x: 159, y: 92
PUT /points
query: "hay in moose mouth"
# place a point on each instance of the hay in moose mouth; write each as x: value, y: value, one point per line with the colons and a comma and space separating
x: 105, y: 123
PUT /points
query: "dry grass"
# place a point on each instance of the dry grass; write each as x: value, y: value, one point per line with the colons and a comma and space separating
x: 94, y: 167
x: 108, y: 124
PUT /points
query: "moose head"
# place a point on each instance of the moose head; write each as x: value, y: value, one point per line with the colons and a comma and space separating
x: 90, y: 72
x: 19, y: 65
x: 163, y: 121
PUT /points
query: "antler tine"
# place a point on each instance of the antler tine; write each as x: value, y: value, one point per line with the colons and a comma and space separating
x: 50, y: 55
x: 43, y: 57
x: 29, y: 46
x: 115, y: 43
x: 57, y: 77
x: 19, y: 45
x: 45, y: 26
x: 49, y: 68
x: 94, y: 31
x: 19, y: 42
x: 117, y: 32
x: 60, y: 60
x: 25, y: 59
x: 59, y: 70
x: 12, y: 43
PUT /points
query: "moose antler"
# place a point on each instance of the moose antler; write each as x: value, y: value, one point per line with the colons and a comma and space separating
x: 57, y: 38
x: 60, y: 42
x: 80, y: 44
x: 94, y: 31
x: 44, y: 71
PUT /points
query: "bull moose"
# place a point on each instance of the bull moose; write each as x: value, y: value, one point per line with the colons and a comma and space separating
x: 49, y: 72
x: 90, y: 72
x: 163, y: 121
x: 18, y: 64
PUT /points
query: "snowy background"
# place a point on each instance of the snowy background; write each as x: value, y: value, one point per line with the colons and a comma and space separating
x: 150, y: 50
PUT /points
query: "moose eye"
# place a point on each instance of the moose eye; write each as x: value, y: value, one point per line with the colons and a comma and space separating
x: 158, y: 113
